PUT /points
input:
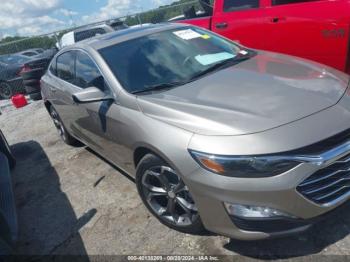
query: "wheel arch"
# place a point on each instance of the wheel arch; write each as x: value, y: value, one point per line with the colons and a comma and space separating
x: 143, y: 149
x: 47, y: 105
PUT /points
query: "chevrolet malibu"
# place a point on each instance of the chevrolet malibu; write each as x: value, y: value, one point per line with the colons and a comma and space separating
x: 241, y: 142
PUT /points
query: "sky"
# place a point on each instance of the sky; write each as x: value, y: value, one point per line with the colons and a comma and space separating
x: 34, y: 17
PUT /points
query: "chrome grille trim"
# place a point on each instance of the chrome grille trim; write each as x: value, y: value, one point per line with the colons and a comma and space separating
x: 331, y: 193
x: 330, y: 184
x: 308, y: 192
x: 313, y: 181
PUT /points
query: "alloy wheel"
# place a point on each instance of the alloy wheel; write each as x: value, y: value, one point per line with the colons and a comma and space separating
x: 168, y: 196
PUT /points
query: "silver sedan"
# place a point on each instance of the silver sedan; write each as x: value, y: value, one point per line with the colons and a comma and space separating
x: 245, y: 143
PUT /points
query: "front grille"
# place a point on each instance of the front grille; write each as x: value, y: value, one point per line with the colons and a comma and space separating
x: 328, y: 184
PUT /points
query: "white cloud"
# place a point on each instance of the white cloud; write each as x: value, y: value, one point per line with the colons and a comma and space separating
x: 32, y: 17
x: 117, y: 8
x: 161, y: 2
x: 67, y: 12
x: 28, y: 17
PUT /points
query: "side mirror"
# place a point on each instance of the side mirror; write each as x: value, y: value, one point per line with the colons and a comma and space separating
x: 90, y: 95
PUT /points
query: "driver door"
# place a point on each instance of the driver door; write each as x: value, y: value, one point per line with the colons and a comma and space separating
x: 241, y: 21
x: 96, y: 122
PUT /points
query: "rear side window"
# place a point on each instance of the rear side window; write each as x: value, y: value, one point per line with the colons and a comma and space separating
x: 65, y: 66
x: 79, y: 36
x: 286, y: 2
x: 237, y: 5
x: 87, y: 73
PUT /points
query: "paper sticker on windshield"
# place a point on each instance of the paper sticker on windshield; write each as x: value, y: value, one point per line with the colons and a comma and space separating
x: 205, y: 36
x: 187, y: 34
x: 243, y: 52
x: 213, y: 58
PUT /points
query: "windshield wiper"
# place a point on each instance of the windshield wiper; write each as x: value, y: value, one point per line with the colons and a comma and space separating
x: 157, y: 87
x: 217, y: 66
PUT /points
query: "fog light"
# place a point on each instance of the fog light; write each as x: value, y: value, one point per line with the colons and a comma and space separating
x: 245, y: 211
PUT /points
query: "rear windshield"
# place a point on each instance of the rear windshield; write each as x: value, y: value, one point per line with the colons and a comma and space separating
x: 82, y: 35
x: 165, y: 57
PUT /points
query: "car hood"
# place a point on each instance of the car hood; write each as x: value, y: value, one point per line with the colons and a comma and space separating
x: 264, y: 92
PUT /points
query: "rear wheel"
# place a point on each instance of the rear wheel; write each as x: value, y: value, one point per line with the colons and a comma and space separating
x: 5, y: 90
x: 63, y: 133
x: 166, y: 196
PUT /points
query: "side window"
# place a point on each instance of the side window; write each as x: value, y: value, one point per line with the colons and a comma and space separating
x: 53, y: 67
x: 286, y: 2
x: 87, y: 73
x: 65, y: 66
x: 237, y: 5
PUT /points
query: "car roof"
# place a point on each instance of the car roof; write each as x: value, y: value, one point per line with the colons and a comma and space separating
x: 126, y: 34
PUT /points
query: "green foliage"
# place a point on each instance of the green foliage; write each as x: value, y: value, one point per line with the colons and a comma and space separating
x: 18, y: 44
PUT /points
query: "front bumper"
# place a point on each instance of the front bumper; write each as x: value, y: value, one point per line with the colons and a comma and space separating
x: 210, y: 191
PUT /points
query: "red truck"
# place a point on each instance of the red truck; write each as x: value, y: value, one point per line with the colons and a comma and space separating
x: 316, y: 30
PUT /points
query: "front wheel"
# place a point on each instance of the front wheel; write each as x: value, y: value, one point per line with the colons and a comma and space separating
x: 166, y: 196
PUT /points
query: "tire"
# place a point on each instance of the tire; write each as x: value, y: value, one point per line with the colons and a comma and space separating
x: 169, y: 196
x: 62, y: 131
x: 33, y: 74
x: 31, y: 82
x: 32, y: 89
x: 5, y: 149
x: 36, y: 96
x: 6, y: 90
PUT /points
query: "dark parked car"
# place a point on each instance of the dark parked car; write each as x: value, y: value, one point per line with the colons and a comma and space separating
x: 32, y: 52
x: 8, y: 217
x: 11, y: 68
x: 117, y: 25
x: 39, y: 53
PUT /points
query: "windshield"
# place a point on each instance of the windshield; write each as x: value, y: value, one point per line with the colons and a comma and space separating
x: 172, y: 56
x: 13, y: 59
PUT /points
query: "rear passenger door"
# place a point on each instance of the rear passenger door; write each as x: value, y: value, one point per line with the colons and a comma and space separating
x: 240, y: 20
x: 65, y: 72
x: 308, y: 29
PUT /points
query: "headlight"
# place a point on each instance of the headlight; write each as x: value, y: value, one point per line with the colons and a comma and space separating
x: 247, y: 167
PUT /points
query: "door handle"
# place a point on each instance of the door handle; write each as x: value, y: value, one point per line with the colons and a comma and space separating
x: 277, y: 19
x: 221, y: 25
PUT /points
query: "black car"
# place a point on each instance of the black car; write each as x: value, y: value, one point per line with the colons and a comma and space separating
x: 8, y: 217
x: 12, y: 67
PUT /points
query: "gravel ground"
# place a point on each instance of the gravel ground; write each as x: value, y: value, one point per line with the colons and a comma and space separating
x: 70, y: 201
